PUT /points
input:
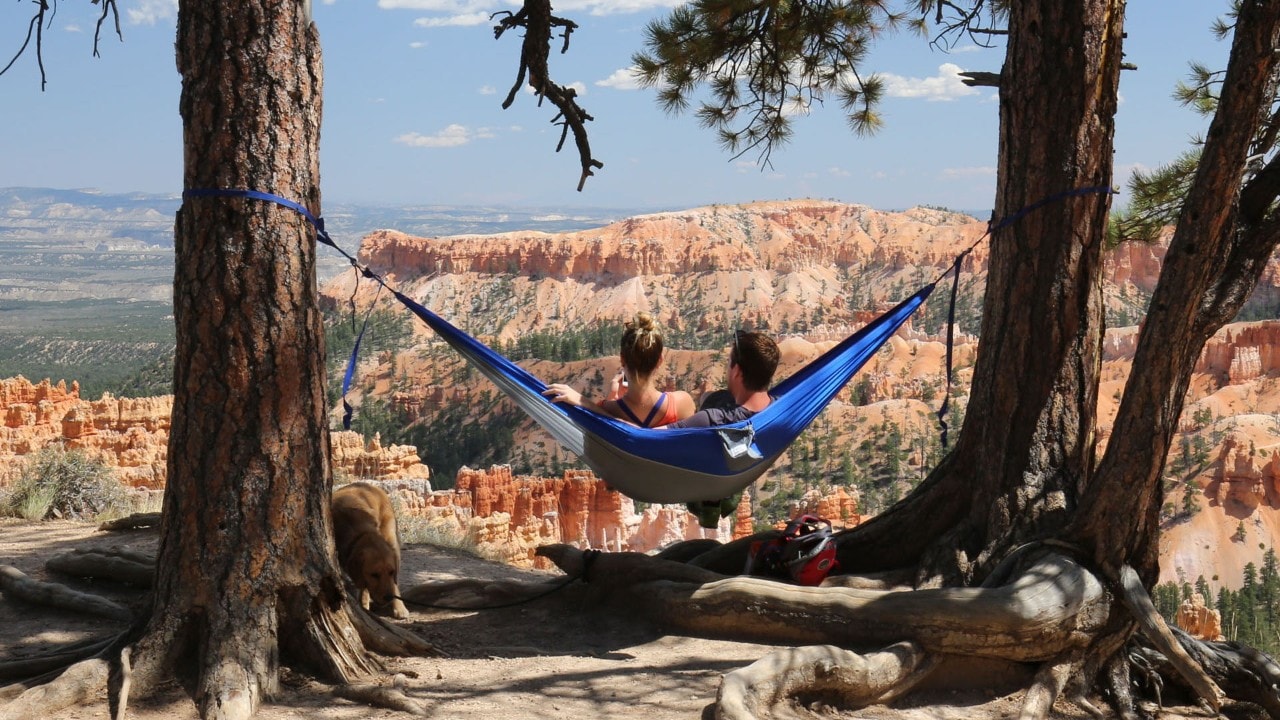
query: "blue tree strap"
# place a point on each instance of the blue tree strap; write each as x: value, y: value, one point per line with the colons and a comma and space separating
x: 347, y: 409
x: 322, y: 236
x: 951, y: 330
x: 1023, y: 212
x: 955, y: 280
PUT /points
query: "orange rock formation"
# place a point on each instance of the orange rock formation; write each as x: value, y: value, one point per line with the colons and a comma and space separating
x: 1204, y: 623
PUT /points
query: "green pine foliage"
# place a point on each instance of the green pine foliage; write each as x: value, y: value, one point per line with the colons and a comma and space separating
x: 763, y: 62
x: 1250, y: 614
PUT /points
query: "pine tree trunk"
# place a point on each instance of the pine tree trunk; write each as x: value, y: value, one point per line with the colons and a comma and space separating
x: 1027, y: 441
x: 246, y: 577
x: 1221, y: 244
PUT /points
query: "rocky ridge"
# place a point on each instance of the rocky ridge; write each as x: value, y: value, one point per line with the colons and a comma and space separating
x: 810, y: 271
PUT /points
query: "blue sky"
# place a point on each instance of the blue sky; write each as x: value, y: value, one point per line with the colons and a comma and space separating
x: 412, y: 112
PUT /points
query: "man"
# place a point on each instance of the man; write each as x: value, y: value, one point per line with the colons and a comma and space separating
x: 752, y: 361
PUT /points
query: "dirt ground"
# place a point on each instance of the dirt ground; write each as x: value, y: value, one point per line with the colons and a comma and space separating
x: 553, y: 657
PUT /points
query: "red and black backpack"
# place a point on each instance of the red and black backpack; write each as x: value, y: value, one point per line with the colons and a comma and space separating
x: 804, y: 552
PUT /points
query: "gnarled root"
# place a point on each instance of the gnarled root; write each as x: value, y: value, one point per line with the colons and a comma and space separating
x: 754, y: 692
x: 115, y: 563
x: 467, y: 594
x: 78, y: 684
x: 1157, y: 631
x: 1053, y: 606
x: 1245, y: 674
x: 16, y: 584
x: 386, y: 638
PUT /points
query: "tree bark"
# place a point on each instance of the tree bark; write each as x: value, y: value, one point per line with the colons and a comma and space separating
x: 1027, y: 442
x: 1218, y: 251
x: 246, y: 575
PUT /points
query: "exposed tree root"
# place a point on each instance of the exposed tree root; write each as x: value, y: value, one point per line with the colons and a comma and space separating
x: 756, y: 691
x: 1154, y: 628
x: 17, y: 585
x: 115, y: 563
x: 78, y: 684
x: 30, y: 668
x: 1050, y: 680
x: 1051, y: 607
x: 391, y: 697
x: 1245, y: 674
x: 466, y: 594
x: 386, y: 638
x: 136, y: 521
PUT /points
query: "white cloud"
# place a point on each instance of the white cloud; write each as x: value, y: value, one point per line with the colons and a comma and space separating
x: 613, y: 7
x: 452, y: 136
x: 837, y: 172
x: 463, y: 20
x: 743, y: 166
x: 453, y: 9
x: 944, y: 86
x: 488, y: 90
x: 578, y: 87
x: 624, y: 79
x: 149, y: 12
x: 962, y: 173
x: 73, y: 28
x: 417, y: 44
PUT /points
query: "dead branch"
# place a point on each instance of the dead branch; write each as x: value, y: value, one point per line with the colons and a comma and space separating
x: 17, y: 585
x: 136, y: 521
x: 538, y: 22
x: 115, y: 563
x: 754, y: 692
x: 35, y: 28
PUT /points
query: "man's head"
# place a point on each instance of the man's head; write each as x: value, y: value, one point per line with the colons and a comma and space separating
x: 756, y: 355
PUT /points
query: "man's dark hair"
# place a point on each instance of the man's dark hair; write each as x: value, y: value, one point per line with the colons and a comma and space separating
x: 757, y: 354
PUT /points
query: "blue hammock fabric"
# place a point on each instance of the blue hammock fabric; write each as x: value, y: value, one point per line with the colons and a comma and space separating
x: 684, y: 464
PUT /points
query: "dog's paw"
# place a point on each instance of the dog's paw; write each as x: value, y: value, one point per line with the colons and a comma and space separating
x: 399, y: 611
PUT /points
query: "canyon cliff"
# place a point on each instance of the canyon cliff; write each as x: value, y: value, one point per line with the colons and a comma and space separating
x: 807, y: 271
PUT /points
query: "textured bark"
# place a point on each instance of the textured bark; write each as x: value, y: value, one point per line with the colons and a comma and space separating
x: 1219, y: 250
x: 245, y: 576
x: 1027, y: 443
x: 1048, y: 608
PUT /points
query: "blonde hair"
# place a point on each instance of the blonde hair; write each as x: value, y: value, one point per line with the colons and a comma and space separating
x: 641, y: 346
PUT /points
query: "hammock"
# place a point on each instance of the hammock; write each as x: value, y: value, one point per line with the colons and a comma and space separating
x: 684, y: 464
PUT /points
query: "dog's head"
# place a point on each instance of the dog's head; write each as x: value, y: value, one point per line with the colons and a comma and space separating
x: 374, y: 568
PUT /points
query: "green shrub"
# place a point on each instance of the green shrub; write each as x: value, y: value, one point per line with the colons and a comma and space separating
x: 67, y: 484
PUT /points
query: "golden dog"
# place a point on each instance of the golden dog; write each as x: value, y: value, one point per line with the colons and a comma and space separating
x: 364, y: 528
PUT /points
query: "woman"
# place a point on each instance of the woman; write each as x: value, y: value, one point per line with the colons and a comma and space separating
x: 633, y: 397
